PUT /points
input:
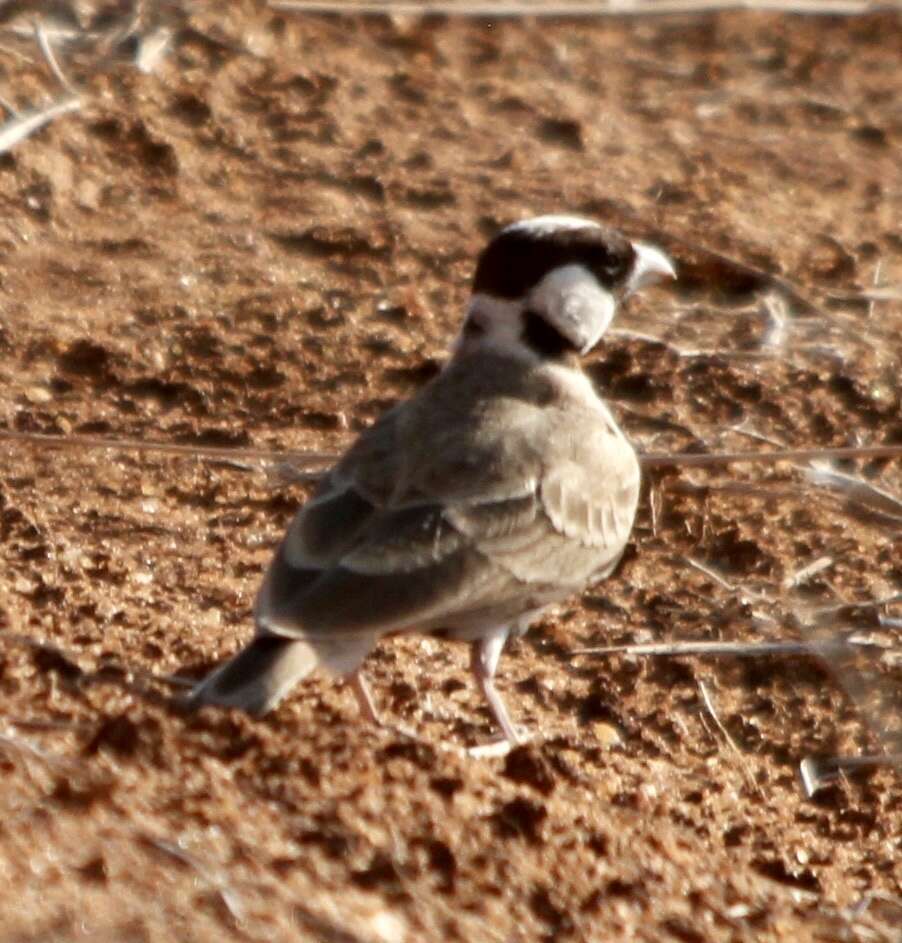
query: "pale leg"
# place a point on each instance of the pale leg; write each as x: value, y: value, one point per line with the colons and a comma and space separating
x: 484, y: 656
x: 367, y: 705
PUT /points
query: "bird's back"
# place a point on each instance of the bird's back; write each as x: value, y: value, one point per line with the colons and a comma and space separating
x: 495, y: 490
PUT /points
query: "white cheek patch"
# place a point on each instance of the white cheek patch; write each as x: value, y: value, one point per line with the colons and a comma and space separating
x: 571, y: 300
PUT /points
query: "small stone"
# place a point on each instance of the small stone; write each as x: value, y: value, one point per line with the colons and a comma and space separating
x: 607, y: 735
x: 38, y: 395
x: 387, y: 926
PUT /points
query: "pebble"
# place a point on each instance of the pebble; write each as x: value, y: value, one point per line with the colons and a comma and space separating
x: 38, y: 395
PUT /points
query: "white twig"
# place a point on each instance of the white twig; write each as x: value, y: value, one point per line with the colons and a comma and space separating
x: 741, y: 429
x: 876, y: 284
x: 887, y: 292
x: 805, y: 573
x: 654, y: 501
x: 775, y: 308
x: 818, y: 772
x: 710, y: 573
x: 10, y: 108
x: 23, y: 126
x: 47, y: 50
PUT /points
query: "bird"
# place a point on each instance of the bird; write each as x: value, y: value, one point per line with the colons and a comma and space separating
x: 502, y: 487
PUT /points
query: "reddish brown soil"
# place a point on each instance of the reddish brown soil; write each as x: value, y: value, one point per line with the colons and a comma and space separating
x: 265, y: 243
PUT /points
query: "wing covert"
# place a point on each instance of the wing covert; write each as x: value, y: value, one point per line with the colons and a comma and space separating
x: 472, y: 505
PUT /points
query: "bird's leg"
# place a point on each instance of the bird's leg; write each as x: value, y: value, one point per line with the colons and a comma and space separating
x: 484, y: 655
x: 364, y: 698
x: 367, y: 705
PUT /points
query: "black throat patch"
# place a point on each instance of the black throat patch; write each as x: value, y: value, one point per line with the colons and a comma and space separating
x: 545, y: 339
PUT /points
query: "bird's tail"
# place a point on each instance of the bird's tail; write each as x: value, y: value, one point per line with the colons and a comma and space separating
x: 259, y: 676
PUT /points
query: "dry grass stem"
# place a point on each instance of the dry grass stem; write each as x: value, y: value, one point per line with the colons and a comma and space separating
x: 824, y: 648
x: 9, y: 51
x: 819, y: 772
x: 805, y: 573
x: 856, y: 489
x: 577, y: 9
x: 836, y: 608
x: 259, y: 457
x: 653, y: 459
x: 50, y: 57
x: 654, y: 503
x: 742, y: 429
x: 33, y: 758
x: 312, y: 459
x: 777, y: 315
x: 710, y: 573
x: 213, y: 878
x: 23, y: 126
x: 709, y: 706
x: 631, y: 335
x: 875, y: 294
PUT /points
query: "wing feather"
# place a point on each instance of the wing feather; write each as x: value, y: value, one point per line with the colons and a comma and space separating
x: 425, y: 521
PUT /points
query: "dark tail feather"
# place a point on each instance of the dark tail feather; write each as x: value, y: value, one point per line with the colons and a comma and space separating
x: 259, y: 676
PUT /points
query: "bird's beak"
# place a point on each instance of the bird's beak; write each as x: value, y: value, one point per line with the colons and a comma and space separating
x: 651, y: 266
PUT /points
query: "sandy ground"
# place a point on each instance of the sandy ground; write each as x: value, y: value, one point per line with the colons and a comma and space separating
x: 268, y: 240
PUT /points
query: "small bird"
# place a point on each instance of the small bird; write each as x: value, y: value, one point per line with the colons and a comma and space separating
x: 502, y: 487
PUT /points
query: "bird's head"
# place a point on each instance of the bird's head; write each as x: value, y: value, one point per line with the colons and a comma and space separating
x: 549, y: 286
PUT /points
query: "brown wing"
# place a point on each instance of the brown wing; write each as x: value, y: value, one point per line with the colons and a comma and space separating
x: 436, y: 513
